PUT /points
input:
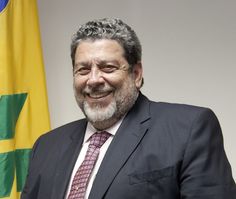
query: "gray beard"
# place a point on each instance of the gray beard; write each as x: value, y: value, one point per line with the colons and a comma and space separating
x: 99, y: 114
x: 104, y: 117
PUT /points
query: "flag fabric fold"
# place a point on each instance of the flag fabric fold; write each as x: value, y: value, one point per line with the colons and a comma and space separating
x: 24, y: 112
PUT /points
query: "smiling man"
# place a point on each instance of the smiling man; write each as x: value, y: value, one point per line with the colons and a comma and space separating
x: 106, y: 86
x: 127, y: 146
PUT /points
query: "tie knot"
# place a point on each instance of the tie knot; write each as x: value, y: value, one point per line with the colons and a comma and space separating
x: 98, y: 139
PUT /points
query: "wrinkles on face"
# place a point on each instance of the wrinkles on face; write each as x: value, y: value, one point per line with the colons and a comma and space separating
x: 104, y: 86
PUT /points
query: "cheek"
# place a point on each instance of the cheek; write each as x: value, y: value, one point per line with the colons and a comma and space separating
x: 77, y: 90
x: 116, y: 80
x: 78, y: 83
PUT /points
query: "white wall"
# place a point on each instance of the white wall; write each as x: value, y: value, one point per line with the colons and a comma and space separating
x: 189, y: 53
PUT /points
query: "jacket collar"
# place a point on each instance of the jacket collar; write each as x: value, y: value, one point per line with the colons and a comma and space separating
x: 128, y: 136
x: 69, y: 152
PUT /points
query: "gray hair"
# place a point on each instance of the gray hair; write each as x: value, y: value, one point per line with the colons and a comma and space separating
x: 114, y: 29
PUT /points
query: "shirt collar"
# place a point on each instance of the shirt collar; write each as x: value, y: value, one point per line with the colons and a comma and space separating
x: 90, y: 130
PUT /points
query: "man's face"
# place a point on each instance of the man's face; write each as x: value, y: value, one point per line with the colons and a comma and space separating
x: 105, y: 87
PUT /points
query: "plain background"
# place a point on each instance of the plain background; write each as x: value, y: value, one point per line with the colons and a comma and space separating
x: 189, y: 53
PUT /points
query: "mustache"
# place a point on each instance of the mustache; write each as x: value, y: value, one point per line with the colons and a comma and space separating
x: 97, y: 90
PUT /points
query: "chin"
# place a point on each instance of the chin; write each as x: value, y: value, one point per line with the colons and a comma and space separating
x: 98, y: 113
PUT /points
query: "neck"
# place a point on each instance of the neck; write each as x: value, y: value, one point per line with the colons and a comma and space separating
x: 102, y: 125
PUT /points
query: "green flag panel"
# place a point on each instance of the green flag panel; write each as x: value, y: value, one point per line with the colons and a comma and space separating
x: 22, y: 162
x: 7, y: 164
x: 10, y: 108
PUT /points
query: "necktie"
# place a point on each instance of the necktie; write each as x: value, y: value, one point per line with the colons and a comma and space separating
x: 81, y: 178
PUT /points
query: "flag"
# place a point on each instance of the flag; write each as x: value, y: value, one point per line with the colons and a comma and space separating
x: 24, y: 112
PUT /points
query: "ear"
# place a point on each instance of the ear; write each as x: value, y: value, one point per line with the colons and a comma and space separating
x: 138, y: 74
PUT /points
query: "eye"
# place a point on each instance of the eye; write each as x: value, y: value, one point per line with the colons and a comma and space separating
x: 108, y: 68
x: 82, y: 71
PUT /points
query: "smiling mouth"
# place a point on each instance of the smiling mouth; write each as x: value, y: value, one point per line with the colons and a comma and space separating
x: 98, y: 95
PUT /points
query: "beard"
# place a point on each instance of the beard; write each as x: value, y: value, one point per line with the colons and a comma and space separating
x: 98, y: 113
x: 103, y: 117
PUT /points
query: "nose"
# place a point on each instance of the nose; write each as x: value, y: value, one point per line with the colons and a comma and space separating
x: 95, y: 77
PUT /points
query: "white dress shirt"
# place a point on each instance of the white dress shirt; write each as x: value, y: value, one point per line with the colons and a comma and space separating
x: 90, y: 130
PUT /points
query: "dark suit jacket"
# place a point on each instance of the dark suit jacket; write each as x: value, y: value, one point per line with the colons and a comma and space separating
x: 161, y: 151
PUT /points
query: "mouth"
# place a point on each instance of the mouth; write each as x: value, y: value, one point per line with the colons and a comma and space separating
x: 99, y: 95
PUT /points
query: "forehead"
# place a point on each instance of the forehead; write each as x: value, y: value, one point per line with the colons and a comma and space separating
x: 98, y: 49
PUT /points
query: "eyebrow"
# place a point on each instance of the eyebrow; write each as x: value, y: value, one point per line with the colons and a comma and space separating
x: 104, y: 62
x: 98, y: 62
x: 83, y: 63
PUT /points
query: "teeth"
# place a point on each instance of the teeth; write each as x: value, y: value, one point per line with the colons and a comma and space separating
x: 98, y: 95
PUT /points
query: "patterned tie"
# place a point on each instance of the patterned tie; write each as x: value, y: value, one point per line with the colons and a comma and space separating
x: 81, y: 178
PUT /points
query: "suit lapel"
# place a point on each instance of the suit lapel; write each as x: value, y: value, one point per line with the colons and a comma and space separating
x: 127, y: 138
x: 69, y: 152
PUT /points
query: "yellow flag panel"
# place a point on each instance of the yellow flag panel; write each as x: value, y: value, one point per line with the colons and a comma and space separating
x: 24, y: 112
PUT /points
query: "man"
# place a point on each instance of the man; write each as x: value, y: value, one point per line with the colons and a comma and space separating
x: 151, y: 150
